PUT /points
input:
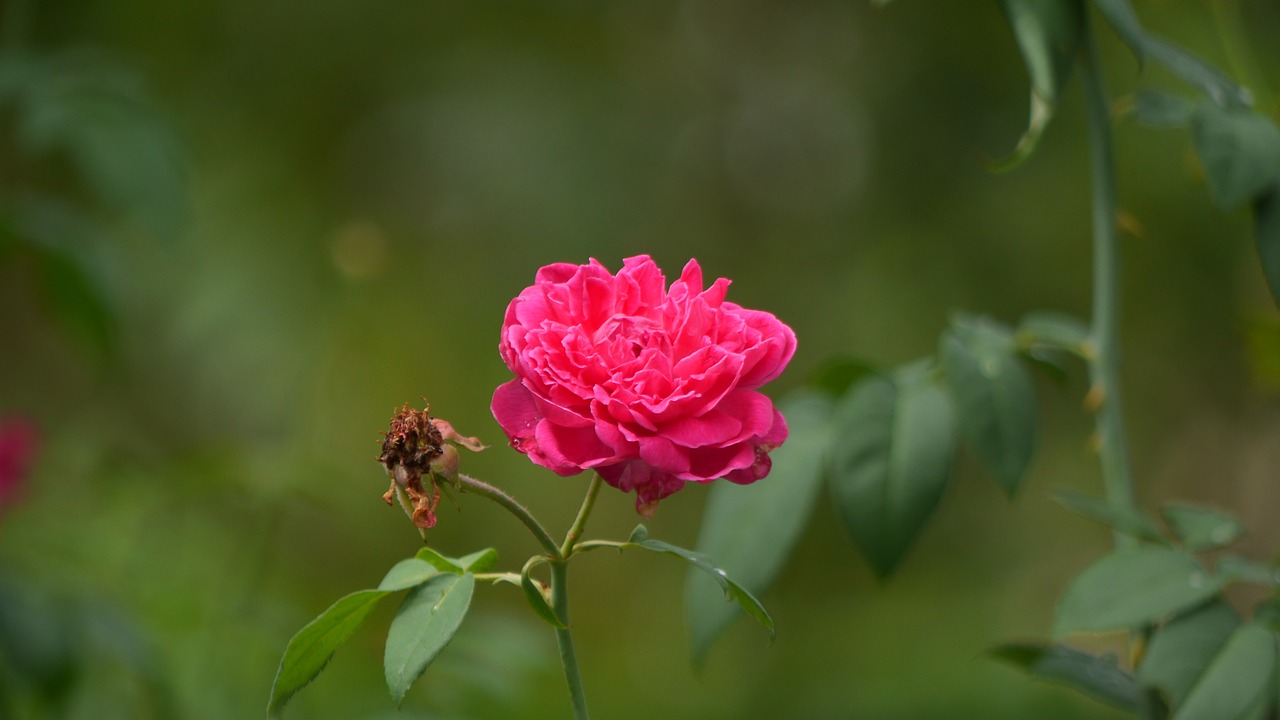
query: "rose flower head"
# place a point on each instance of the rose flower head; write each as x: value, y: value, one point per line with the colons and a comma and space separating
x: 648, y: 386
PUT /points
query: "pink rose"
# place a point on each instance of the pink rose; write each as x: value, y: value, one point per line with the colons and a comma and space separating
x: 18, y: 440
x: 650, y: 388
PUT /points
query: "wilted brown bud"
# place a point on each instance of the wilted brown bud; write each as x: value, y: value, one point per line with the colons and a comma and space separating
x: 418, y: 446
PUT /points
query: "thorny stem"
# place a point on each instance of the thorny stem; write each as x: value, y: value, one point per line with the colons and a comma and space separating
x: 522, y: 514
x: 1104, y: 361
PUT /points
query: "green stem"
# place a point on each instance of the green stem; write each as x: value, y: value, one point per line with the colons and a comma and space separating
x: 523, y: 515
x: 1104, y: 361
x: 564, y: 636
x: 575, y: 531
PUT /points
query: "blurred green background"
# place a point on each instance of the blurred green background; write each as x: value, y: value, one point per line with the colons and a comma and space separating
x: 234, y: 235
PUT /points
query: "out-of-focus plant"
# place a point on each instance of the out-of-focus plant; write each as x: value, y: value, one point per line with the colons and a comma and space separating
x: 883, y: 442
x: 645, y: 387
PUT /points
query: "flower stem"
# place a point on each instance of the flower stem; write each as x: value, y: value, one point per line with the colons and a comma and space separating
x: 522, y: 514
x: 575, y: 531
x: 564, y: 636
x: 1104, y: 361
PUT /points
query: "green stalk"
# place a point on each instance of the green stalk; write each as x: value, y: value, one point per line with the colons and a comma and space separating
x: 523, y: 515
x: 564, y: 638
x: 1104, y: 361
x: 575, y: 531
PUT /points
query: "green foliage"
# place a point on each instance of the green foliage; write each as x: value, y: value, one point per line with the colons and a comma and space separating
x: 1099, y: 677
x: 1126, y: 521
x: 751, y: 530
x: 732, y: 590
x: 535, y: 596
x: 1200, y: 528
x: 1120, y: 15
x: 1238, y: 683
x: 1266, y: 236
x: 993, y: 397
x: 1160, y: 109
x: 1240, y: 150
x: 1132, y: 587
x: 426, y: 621
x: 1048, y: 33
x: 1183, y: 648
x: 891, y: 467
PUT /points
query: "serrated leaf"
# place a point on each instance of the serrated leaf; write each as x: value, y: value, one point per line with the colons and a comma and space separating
x: 310, y: 650
x: 1122, y: 19
x: 1182, y: 649
x: 750, y: 529
x: 424, y: 624
x: 1240, y: 152
x: 533, y: 594
x: 1126, y: 521
x: 1048, y: 33
x: 1196, y: 72
x: 1239, y: 676
x: 1160, y: 109
x: 1131, y: 587
x: 1266, y: 236
x: 993, y: 397
x: 732, y: 590
x: 1099, y: 677
x: 1202, y: 528
x: 891, y: 467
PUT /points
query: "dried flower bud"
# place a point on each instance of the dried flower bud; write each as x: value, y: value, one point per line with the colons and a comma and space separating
x: 419, y: 446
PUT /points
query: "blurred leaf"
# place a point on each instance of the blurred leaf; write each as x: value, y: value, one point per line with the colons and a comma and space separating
x: 406, y: 574
x: 993, y: 397
x: 36, y: 640
x: 1240, y: 151
x: 1239, y: 676
x: 533, y: 594
x: 889, y: 471
x: 751, y: 529
x: 1098, y: 677
x: 1057, y: 330
x: 424, y: 624
x: 78, y: 303
x: 1157, y: 108
x: 1133, y: 523
x: 1183, y: 647
x: 1202, y: 528
x: 1048, y: 33
x: 732, y: 590
x: 1237, y: 569
x: 310, y: 650
x: 1121, y: 18
x: 1197, y: 73
x: 440, y: 562
x: 1133, y: 586
x: 1266, y: 236
x: 836, y: 376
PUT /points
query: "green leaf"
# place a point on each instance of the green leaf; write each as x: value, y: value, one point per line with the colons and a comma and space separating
x: 1160, y: 109
x: 836, y: 376
x: 1240, y: 151
x: 1196, y: 72
x: 479, y: 561
x: 309, y: 651
x: 79, y: 304
x: 1183, y: 647
x: 1056, y: 330
x: 1048, y: 33
x: 1202, y: 528
x: 1098, y: 677
x: 751, y: 529
x: 993, y: 397
x: 533, y: 594
x: 891, y: 466
x: 732, y: 590
x: 1240, y: 675
x: 1123, y: 520
x: 1122, y: 19
x: 1266, y: 236
x: 441, y: 563
x: 1131, y: 587
x: 424, y: 624
x: 406, y: 574
x: 1233, y: 568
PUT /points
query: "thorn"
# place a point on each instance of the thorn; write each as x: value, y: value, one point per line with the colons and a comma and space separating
x: 1094, y: 398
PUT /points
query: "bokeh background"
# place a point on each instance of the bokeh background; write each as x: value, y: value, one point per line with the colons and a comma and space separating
x: 234, y: 235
